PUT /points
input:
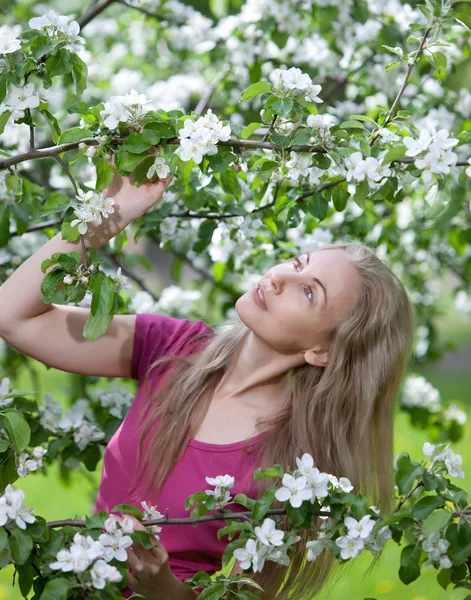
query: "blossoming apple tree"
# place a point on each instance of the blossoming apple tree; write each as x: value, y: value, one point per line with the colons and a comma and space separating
x: 285, y: 125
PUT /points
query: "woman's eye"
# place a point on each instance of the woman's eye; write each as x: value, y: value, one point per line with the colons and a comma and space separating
x: 297, y: 264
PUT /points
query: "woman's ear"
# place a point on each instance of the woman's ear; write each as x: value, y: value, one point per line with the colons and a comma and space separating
x: 317, y: 357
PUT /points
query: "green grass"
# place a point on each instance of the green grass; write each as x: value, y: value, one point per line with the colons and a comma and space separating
x: 53, y: 499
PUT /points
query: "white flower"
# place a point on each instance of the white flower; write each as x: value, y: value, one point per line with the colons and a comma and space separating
x: 417, y: 391
x: 314, y: 549
x: 268, y: 534
x: 360, y: 528
x: 159, y: 168
x: 201, y: 137
x: 351, y: 547
x: 191, y: 149
x: 453, y: 464
x: 122, y: 281
x: 111, y: 524
x: 370, y: 169
x: 9, y: 44
x: 435, y: 546
x: 127, y: 525
x: 454, y: 413
x: 312, y: 94
x: 86, y: 434
x: 26, y: 465
x: 345, y: 484
x: 68, y: 279
x: 321, y: 122
x: 225, y: 481
x: 318, y: 482
x: 417, y: 146
x: 250, y: 556
x: 124, y: 109
x: 305, y: 464
x: 102, y: 573
x: 15, y: 508
x: 294, y: 490
x: 298, y: 166
x: 20, y: 98
x: 64, y: 561
x: 114, y: 546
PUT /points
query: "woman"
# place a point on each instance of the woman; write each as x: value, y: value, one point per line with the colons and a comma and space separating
x: 314, y: 365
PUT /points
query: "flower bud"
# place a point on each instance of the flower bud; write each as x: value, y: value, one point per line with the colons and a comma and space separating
x: 84, y: 280
x: 68, y: 279
x: 92, y: 269
x: 82, y: 145
x: 103, y: 138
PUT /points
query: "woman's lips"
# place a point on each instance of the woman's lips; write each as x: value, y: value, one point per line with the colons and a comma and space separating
x: 257, y: 299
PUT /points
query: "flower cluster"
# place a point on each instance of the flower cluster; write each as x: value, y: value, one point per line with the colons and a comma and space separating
x: 85, y: 552
x: 58, y: 27
x: 74, y: 420
x: 13, y: 509
x: 454, y: 413
x: 443, y: 454
x: 116, y: 401
x: 151, y: 512
x: 222, y: 483
x: 418, y: 392
x: 122, y: 281
x: 369, y: 169
x: 92, y: 207
x: 20, y: 98
x: 200, y: 137
x: 124, y: 109
x: 293, y: 82
x: 433, y: 149
x: 29, y: 463
x: 271, y: 544
x: 436, y: 548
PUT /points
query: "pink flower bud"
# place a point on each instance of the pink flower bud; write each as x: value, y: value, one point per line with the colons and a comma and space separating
x: 84, y: 280
x: 82, y: 145
x: 103, y: 138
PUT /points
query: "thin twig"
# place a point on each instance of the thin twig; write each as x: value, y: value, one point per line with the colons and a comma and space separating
x: 419, y: 483
x: 272, y: 124
x: 410, y: 68
x: 69, y: 175
x: 205, y: 99
x: 144, y: 11
x: 94, y: 10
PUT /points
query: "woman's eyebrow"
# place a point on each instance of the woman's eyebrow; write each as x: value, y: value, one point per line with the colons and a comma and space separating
x: 318, y: 280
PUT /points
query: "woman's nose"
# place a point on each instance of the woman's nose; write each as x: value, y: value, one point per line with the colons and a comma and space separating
x: 279, y: 279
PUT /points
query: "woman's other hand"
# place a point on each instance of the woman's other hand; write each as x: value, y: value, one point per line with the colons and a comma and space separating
x: 149, y: 571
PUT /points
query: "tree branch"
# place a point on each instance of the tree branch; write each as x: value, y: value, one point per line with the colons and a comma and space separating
x: 205, y: 99
x: 94, y: 10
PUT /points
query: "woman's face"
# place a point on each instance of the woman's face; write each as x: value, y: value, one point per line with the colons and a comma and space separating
x: 303, y: 298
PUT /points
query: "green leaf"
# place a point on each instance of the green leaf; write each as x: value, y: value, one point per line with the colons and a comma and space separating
x: 97, y: 520
x: 17, y: 428
x: 21, y: 545
x: 199, y: 511
x: 219, y: 8
x: 459, y: 537
x: 394, y: 153
x: 135, y: 144
x: 205, y: 234
x: 426, y: 505
x: 407, y: 471
x: 50, y: 284
x: 79, y: 74
x: 409, y: 570
x: 67, y: 231
x: 255, y: 89
x: 4, y: 120
x: 229, y: 550
x: 56, y: 589
x: 39, y: 531
x: 230, y: 183
x: 444, y: 578
x: 435, y: 521
x: 26, y: 574
x: 234, y: 528
x: 3, y: 538
x: 282, y: 106
x: 129, y: 509
x: 352, y: 125
x: 274, y: 471
x: 318, y: 206
x: 264, y: 503
x: 55, y: 203
x: 53, y: 124
x: 127, y: 162
x: 59, y: 64
x: 440, y: 61
x: 154, y: 132
x: 74, y: 134
x: 463, y: 19
x: 391, y: 66
x: 104, y: 174
x: 195, y: 499
x: 4, y: 225
x: 142, y: 537
x: 244, y: 501
x: 249, y: 129
x: 214, y: 592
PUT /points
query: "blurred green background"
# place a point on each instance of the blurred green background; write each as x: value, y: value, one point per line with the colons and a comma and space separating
x: 53, y: 499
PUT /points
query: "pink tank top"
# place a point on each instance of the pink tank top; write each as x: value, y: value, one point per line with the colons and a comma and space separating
x: 190, y: 548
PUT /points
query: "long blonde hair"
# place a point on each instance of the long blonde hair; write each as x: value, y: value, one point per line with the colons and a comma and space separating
x: 342, y: 414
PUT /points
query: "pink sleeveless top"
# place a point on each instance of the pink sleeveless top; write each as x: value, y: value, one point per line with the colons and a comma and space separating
x: 190, y: 548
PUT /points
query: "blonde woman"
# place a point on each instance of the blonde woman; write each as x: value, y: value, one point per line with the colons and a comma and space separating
x: 313, y: 365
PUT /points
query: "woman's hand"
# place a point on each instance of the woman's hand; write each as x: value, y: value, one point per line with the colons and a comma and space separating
x: 133, y: 200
